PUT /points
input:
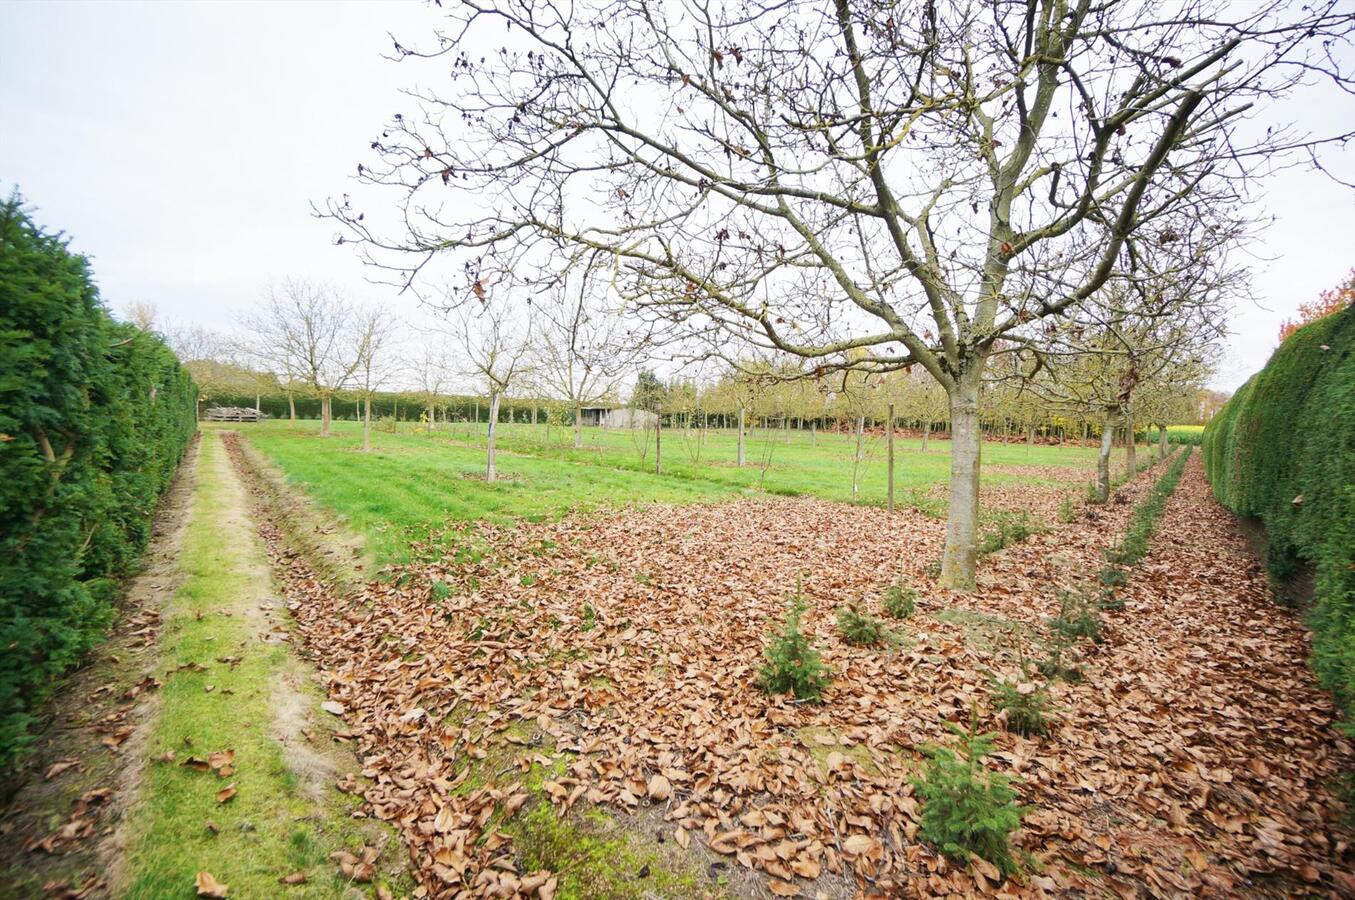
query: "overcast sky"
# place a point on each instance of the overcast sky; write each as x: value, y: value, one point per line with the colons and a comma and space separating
x: 181, y: 146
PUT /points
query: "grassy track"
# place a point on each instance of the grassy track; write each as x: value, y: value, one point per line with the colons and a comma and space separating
x: 279, y: 821
x: 412, y: 481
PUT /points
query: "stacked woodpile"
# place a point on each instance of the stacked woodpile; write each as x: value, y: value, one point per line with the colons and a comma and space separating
x: 233, y: 414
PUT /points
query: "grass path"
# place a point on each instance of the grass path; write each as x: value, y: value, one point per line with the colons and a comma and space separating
x: 231, y: 685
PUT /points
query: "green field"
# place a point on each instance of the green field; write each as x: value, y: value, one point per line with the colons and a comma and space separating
x: 412, y: 482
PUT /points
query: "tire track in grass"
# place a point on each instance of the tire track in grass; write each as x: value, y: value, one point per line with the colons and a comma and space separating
x: 232, y: 685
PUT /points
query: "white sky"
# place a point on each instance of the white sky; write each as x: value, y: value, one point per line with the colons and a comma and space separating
x: 182, y: 144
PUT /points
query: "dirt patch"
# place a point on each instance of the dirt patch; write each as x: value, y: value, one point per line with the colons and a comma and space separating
x: 97, y: 719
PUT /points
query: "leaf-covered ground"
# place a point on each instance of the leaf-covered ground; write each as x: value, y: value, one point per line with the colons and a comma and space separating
x: 610, y: 661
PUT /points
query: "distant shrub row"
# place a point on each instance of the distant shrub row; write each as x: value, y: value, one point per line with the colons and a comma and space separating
x: 1189, y: 435
x: 1283, y: 449
x: 94, y: 417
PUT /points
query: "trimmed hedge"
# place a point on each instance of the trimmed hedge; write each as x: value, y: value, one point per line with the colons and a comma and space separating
x: 1283, y: 450
x: 94, y: 418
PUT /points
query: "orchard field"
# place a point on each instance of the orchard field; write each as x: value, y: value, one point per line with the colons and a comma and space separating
x: 416, y: 479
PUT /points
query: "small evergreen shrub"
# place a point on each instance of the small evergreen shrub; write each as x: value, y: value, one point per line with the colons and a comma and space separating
x: 440, y: 591
x: 793, y: 665
x: 859, y: 628
x: 1112, y: 576
x: 1008, y: 527
x: 968, y: 810
x: 1077, y: 618
x: 900, y: 600
x: 1067, y: 511
x: 1027, y: 705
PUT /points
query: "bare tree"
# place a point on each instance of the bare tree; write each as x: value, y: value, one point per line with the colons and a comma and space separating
x: 584, y: 349
x: 431, y: 370
x: 495, y: 347
x: 303, y: 334
x: 374, y: 328
x: 850, y: 183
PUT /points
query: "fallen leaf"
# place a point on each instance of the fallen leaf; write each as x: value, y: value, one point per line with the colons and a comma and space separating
x: 225, y: 793
x: 659, y: 788
x: 209, y: 887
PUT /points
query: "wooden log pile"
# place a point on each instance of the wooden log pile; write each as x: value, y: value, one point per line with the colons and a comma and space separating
x: 233, y: 414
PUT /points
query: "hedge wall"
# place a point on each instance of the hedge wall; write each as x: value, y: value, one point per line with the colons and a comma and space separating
x: 94, y: 417
x: 1283, y: 449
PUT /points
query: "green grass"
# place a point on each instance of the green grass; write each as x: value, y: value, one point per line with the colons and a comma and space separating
x: 1143, y: 522
x: 272, y: 827
x: 412, y: 483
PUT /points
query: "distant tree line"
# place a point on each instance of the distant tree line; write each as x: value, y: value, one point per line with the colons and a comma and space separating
x: 94, y: 418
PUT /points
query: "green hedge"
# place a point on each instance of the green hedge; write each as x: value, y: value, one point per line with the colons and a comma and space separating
x: 1283, y: 449
x: 94, y: 417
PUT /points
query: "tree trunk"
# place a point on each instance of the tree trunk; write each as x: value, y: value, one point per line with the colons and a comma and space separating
x: 432, y: 411
x: 966, y: 450
x: 814, y: 433
x: 1103, y: 458
x: 1130, y: 467
x: 889, y: 445
x: 856, y: 462
x: 743, y: 459
x: 578, y: 426
x: 367, y: 424
x: 926, y: 432
x: 1161, y: 441
x: 658, y: 442
x: 291, y: 407
x: 1030, y: 436
x: 493, y: 421
x: 324, y: 415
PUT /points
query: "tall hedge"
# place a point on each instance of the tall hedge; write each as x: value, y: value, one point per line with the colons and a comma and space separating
x: 1283, y: 449
x: 94, y: 418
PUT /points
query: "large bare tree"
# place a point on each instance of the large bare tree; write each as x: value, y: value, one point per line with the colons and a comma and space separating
x: 858, y: 183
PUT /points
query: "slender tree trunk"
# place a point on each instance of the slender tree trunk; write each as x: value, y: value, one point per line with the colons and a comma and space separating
x: 966, y: 451
x: 1161, y: 441
x: 1103, y: 458
x: 889, y: 444
x: 533, y: 411
x: 1130, y: 467
x: 493, y: 423
x: 926, y: 432
x: 856, y: 462
x: 814, y: 433
x: 1030, y: 436
x: 291, y: 407
x: 324, y: 415
x: 578, y: 426
x: 658, y: 442
x: 367, y: 423
x: 743, y: 459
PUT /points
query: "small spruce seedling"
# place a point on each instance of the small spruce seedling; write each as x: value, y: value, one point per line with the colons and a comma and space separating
x: 1026, y: 703
x: 968, y: 810
x: 793, y: 665
x: 861, y: 629
x: 900, y: 600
